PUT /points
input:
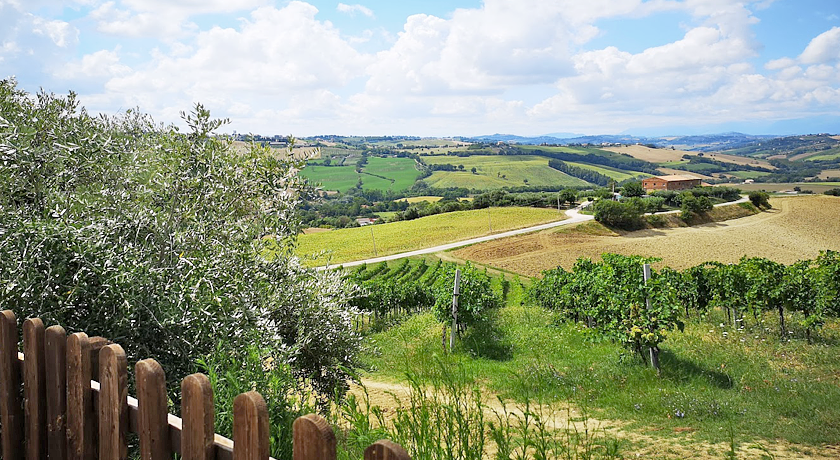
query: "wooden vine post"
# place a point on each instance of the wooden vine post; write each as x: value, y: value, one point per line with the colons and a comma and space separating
x: 654, y: 350
x: 455, y: 293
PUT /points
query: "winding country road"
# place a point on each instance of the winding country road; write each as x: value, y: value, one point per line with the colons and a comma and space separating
x: 574, y: 217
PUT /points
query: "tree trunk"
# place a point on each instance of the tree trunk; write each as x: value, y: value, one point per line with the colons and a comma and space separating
x: 782, y: 321
x: 641, y: 354
x: 654, y: 359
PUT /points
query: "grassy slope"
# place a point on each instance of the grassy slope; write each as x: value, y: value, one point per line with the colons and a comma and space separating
x: 489, y: 169
x: 339, y: 178
x: 711, y: 381
x: 400, y: 170
x: 355, y: 243
x: 832, y: 154
x: 399, y: 174
x: 614, y: 173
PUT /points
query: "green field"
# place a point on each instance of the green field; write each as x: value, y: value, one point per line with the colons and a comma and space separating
x: 379, y: 174
x: 341, y: 178
x: 399, y: 170
x: 832, y: 154
x: 491, y: 168
x: 614, y: 173
x: 748, y: 174
x: 355, y: 243
x: 581, y: 151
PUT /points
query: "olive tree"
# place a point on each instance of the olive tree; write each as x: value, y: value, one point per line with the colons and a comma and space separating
x: 164, y: 241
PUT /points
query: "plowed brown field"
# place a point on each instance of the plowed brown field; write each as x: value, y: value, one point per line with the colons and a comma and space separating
x: 796, y: 228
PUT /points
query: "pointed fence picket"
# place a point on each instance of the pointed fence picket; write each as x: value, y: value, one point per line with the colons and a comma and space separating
x: 75, y: 406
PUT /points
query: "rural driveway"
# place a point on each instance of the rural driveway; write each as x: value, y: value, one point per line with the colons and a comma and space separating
x: 574, y: 217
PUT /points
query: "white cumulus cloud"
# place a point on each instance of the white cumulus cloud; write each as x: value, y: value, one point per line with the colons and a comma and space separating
x: 824, y: 48
x: 273, y: 57
x: 353, y: 9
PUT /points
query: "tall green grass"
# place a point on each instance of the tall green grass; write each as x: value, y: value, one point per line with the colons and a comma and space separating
x: 713, y: 376
x: 446, y: 415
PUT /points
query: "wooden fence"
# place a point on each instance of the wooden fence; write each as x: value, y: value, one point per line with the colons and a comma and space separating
x: 65, y: 413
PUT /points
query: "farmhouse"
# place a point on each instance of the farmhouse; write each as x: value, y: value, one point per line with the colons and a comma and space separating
x: 673, y: 182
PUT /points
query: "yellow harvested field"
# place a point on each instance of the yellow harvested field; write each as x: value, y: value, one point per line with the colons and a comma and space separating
x: 680, y: 172
x: 666, y: 155
x: 351, y: 244
x: 816, y: 187
x: 311, y: 230
x: 417, y: 199
x: 796, y: 228
x: 648, y: 154
x: 830, y: 173
x: 741, y: 160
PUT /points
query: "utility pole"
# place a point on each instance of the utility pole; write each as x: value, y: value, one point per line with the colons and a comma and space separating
x: 455, y: 293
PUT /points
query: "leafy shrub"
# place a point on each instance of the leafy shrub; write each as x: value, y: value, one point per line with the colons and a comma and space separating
x: 625, y: 216
x: 691, y: 205
x: 632, y: 188
x: 761, y: 200
x: 833, y: 192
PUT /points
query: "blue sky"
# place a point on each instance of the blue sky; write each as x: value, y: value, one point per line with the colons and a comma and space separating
x: 441, y: 68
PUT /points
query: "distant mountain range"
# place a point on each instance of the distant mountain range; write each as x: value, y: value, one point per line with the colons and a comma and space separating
x: 701, y: 143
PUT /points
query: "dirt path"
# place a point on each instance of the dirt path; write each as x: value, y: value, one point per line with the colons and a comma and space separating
x: 637, y: 443
x: 796, y: 229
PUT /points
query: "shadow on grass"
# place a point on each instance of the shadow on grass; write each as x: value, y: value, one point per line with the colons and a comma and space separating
x: 486, y: 340
x: 683, y: 370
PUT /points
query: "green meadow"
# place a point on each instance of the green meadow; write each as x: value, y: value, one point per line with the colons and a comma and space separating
x: 497, y: 171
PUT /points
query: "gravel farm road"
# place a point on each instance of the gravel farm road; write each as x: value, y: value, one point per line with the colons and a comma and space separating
x: 574, y: 217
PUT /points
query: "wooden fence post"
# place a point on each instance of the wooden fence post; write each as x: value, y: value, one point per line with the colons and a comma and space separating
x: 34, y: 389
x: 386, y: 450
x: 113, y: 403
x: 153, y: 427
x: 197, y: 430
x: 313, y: 439
x: 56, y: 354
x: 250, y: 427
x: 11, y: 409
x: 80, y: 413
x: 96, y: 344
